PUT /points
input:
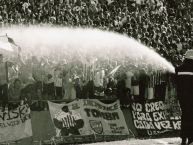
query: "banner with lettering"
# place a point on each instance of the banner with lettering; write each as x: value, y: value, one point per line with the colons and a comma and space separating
x: 104, y: 119
x: 86, y: 117
x: 151, y: 119
x: 15, y: 124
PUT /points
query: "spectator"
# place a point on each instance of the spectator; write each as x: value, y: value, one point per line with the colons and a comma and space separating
x: 4, y: 80
x: 58, y: 83
x: 15, y: 90
x: 70, y: 92
x: 163, y: 25
x: 15, y: 93
x: 111, y: 87
x: 122, y: 91
x: 49, y: 87
x: 78, y: 87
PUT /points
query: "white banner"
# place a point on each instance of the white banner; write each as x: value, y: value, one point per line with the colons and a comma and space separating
x: 86, y: 117
x: 15, y: 124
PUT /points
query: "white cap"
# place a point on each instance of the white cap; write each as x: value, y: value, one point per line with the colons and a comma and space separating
x: 189, y: 54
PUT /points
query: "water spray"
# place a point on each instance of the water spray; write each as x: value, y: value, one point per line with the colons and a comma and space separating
x: 85, y: 44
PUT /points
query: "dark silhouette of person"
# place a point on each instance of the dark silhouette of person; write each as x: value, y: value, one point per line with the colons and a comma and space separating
x: 184, y: 82
x: 122, y: 90
x: 68, y: 122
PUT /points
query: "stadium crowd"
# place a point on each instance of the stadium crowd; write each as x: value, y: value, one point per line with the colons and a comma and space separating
x: 165, y: 25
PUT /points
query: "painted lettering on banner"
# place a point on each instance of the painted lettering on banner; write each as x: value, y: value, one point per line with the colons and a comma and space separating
x: 110, y: 115
x: 151, y: 118
x: 85, y: 117
x: 15, y: 124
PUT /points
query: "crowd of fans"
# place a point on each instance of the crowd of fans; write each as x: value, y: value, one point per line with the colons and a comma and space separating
x: 163, y: 25
x: 39, y: 79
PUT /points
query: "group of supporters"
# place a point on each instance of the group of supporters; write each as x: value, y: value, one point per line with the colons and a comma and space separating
x: 164, y: 25
x: 40, y: 79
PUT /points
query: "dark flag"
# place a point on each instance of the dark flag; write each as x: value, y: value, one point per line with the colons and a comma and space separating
x: 10, y: 40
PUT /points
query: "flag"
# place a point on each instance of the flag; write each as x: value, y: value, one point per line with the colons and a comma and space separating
x: 8, y: 44
x: 5, y: 46
x: 13, y: 44
x: 10, y: 40
x: 114, y: 71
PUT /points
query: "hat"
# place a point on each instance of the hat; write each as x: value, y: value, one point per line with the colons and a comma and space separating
x: 189, y: 54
